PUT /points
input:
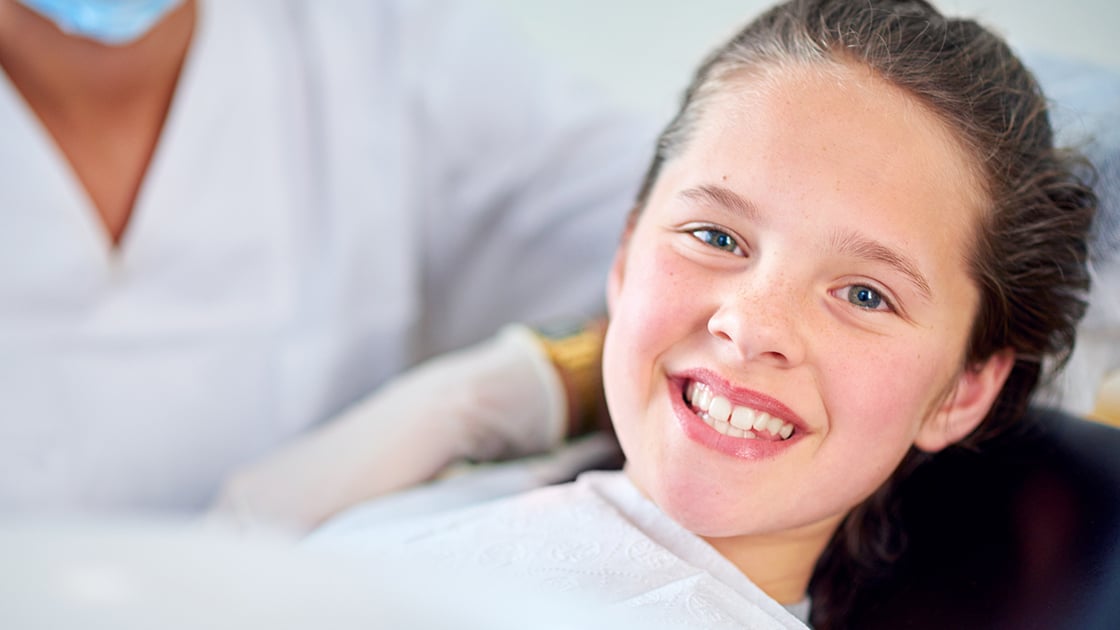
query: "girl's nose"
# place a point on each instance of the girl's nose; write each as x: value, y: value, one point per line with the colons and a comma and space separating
x: 763, y: 320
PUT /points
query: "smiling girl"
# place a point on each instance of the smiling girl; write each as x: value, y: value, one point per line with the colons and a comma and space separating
x: 854, y: 247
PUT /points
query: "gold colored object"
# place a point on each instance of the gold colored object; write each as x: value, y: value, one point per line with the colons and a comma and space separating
x: 577, y: 353
x: 1107, y: 409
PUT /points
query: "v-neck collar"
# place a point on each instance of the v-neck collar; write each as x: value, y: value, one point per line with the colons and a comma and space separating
x: 52, y: 203
x: 183, y: 137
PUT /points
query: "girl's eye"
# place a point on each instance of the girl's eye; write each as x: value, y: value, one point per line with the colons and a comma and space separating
x: 718, y: 239
x: 866, y: 297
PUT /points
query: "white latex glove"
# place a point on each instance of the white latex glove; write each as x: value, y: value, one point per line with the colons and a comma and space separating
x: 502, y: 397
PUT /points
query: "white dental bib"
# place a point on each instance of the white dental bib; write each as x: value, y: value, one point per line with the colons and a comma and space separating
x: 597, y: 537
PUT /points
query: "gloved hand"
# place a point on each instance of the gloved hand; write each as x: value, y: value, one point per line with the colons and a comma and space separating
x: 502, y: 397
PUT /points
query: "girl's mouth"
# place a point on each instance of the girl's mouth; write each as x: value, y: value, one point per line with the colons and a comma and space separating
x: 734, y: 420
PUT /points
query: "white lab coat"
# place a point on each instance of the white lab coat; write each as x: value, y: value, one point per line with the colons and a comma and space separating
x: 342, y: 188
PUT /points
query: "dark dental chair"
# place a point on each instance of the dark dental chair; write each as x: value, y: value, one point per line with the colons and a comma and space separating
x: 1026, y: 536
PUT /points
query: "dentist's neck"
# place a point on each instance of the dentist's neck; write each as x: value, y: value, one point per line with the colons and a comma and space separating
x: 70, y: 74
x: 104, y: 105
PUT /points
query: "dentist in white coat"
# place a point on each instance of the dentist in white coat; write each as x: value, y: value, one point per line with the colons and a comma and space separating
x: 224, y: 222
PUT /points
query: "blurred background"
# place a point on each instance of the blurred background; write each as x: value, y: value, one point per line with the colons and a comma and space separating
x: 642, y: 51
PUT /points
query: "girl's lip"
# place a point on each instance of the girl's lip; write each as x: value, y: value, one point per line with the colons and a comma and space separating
x: 698, y: 431
x: 741, y: 397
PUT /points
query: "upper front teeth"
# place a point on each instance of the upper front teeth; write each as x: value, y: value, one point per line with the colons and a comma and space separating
x: 731, y: 420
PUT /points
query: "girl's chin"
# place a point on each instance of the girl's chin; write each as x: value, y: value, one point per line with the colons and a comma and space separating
x: 693, y: 503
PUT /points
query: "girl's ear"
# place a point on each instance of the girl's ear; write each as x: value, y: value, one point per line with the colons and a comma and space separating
x: 966, y: 407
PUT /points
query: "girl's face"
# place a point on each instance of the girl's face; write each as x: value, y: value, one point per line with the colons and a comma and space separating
x: 789, y: 313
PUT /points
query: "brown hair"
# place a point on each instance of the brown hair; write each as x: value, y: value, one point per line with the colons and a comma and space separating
x: 1030, y: 249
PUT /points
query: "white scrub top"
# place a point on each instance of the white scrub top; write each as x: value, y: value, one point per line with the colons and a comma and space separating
x: 341, y: 189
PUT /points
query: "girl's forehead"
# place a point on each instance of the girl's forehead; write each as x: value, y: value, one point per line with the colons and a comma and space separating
x: 842, y: 150
x: 840, y: 118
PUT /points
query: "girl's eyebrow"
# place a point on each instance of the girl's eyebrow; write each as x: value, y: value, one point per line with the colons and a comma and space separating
x: 722, y: 197
x: 851, y: 243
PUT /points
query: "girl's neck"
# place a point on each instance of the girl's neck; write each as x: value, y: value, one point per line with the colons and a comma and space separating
x: 780, y: 564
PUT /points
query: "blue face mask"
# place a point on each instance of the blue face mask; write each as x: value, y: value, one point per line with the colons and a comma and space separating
x: 112, y: 22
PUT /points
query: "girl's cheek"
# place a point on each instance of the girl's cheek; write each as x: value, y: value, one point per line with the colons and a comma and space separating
x: 903, y: 383
x: 665, y: 291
